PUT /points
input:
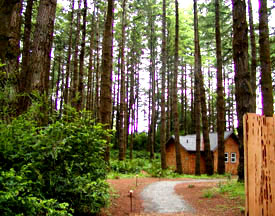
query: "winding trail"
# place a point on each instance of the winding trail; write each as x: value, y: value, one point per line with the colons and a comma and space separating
x: 160, y: 197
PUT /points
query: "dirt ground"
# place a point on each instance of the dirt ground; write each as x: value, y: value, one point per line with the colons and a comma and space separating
x: 218, y: 205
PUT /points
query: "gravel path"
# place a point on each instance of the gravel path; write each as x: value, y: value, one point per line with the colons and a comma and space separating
x: 160, y: 197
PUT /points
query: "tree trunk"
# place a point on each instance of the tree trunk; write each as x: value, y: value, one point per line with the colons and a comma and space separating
x: 122, y: 116
x: 81, y: 61
x: 242, y: 76
x: 10, y: 16
x: 163, y: 76
x: 153, y: 85
x: 197, y: 91
x: 175, y: 93
x: 25, y: 75
x: 253, y: 65
x: 90, y: 88
x: 74, y: 88
x: 68, y: 63
x: 220, y: 92
x: 57, y: 83
x: 266, y: 81
x: 106, y: 80
x: 40, y: 59
x: 97, y: 85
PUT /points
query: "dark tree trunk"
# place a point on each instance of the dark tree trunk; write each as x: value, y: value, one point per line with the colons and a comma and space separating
x: 74, y: 87
x: 97, y: 76
x: 122, y: 113
x: 90, y: 88
x: 266, y: 80
x: 163, y: 76
x: 253, y: 65
x: 68, y: 63
x: 25, y: 75
x: 81, y: 61
x: 220, y: 92
x: 10, y: 16
x: 197, y: 91
x: 106, y: 80
x: 175, y: 94
x: 242, y: 76
x: 40, y: 59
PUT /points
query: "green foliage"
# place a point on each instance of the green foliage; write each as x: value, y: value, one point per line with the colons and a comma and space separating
x: 233, y: 189
x: 16, y: 198
x: 209, y: 193
x: 62, y: 164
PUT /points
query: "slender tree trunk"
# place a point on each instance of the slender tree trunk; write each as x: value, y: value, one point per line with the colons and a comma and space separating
x: 25, y: 75
x: 74, y: 88
x: 242, y: 76
x: 57, y: 82
x: 68, y: 63
x: 153, y: 85
x: 175, y: 94
x: 106, y: 80
x: 185, y: 99
x: 193, y: 116
x: 253, y: 65
x: 197, y: 91
x: 122, y: 113
x: 97, y: 86
x: 81, y: 61
x: 220, y: 92
x: 266, y: 80
x: 91, y: 67
x: 163, y: 76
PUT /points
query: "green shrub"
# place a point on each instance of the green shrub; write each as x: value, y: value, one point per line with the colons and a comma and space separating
x: 209, y: 193
x: 16, y: 198
x: 63, y: 162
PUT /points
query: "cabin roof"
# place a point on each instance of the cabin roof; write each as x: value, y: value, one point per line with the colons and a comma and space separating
x: 188, y: 142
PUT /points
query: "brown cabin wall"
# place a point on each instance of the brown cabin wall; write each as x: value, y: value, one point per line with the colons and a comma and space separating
x: 230, y: 146
x: 188, y: 159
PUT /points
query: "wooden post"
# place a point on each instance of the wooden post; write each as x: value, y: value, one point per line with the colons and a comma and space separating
x: 131, y: 200
x: 259, y: 149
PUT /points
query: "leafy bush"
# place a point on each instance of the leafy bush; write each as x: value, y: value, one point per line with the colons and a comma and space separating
x: 16, y: 198
x: 63, y: 165
x: 127, y: 166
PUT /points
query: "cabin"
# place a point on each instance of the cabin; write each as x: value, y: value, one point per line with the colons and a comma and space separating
x: 188, y: 152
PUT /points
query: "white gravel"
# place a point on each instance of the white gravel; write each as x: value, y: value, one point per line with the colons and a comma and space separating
x: 160, y: 197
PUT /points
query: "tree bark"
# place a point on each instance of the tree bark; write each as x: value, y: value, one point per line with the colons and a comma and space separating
x: 106, y: 80
x: 253, y: 65
x: 266, y: 80
x: 25, y: 75
x: 74, y: 87
x: 10, y: 16
x: 197, y: 91
x: 163, y: 76
x: 220, y: 92
x: 81, y: 60
x: 243, y: 91
x: 175, y: 94
x: 122, y: 116
x: 68, y: 63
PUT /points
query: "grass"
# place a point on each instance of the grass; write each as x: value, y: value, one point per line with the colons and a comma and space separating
x: 209, y: 192
x: 233, y: 189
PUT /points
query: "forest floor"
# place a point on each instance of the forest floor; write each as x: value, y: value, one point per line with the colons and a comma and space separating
x: 200, y: 196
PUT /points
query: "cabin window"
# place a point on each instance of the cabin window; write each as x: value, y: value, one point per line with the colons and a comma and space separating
x: 233, y: 157
x: 226, y: 157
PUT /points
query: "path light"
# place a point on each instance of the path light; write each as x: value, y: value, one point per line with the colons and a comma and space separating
x: 136, y: 180
x: 131, y: 197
